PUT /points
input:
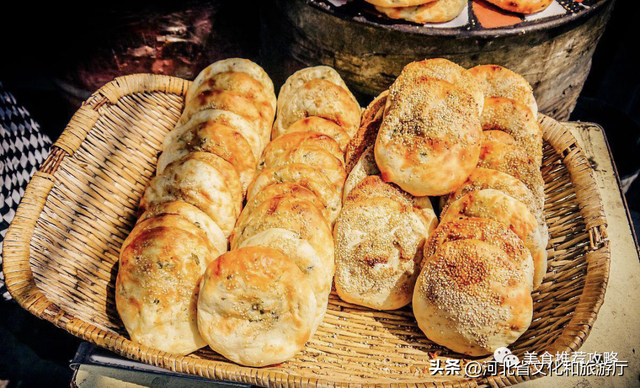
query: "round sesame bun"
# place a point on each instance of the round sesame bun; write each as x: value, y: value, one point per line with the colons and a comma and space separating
x: 305, y: 176
x: 502, y: 156
x: 484, y: 178
x: 471, y: 298
x: 285, y: 188
x: 440, y: 11
x: 255, y: 307
x: 430, y: 138
x: 498, y: 81
x: 294, y: 214
x: 192, y: 214
x: 445, y: 70
x: 214, y: 138
x: 522, y: 6
x: 486, y: 230
x: 374, y: 187
x: 378, y: 245
x: 156, y: 291
x: 201, y: 184
x: 322, y: 126
x: 320, y: 98
x: 318, y: 272
x: 497, y: 206
x: 516, y: 119
x: 290, y: 141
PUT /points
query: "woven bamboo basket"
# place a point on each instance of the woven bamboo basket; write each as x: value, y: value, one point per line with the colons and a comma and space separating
x: 61, y: 254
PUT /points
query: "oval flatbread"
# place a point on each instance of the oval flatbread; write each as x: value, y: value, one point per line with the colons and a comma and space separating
x: 430, y: 138
x: 445, y: 70
x: 156, y: 290
x: 216, y: 139
x: 255, y: 307
x: 378, y: 248
x: 472, y: 299
x: 217, y: 116
x: 322, y: 126
x: 318, y: 273
x: 522, y: 6
x: 497, y: 206
x: 320, y: 98
x: 294, y: 214
x: 192, y: 214
x: 304, y: 176
x: 498, y: 81
x: 440, y: 11
x: 239, y: 65
x: 243, y: 84
x: 199, y: 183
x: 486, y: 230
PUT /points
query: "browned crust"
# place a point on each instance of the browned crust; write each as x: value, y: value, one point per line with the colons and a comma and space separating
x: 366, y: 135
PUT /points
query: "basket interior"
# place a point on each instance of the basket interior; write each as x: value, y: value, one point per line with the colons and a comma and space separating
x: 92, y: 208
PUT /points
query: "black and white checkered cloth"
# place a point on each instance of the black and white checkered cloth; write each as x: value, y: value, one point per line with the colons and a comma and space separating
x: 23, y: 148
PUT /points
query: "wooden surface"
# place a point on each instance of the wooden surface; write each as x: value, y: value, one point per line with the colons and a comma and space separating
x: 618, y: 323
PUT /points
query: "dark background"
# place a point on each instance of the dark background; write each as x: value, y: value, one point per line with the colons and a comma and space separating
x: 42, y: 40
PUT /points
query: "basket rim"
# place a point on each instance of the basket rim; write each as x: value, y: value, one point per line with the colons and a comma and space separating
x: 21, y: 283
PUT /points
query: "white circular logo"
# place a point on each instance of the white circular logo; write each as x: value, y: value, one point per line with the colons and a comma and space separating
x: 501, y: 353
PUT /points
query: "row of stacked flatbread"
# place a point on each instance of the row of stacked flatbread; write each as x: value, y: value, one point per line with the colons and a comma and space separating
x: 287, y: 221
x: 190, y: 207
x: 440, y: 11
x: 178, y: 288
x: 471, y: 137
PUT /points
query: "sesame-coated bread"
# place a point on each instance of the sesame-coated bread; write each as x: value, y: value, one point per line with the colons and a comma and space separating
x: 516, y: 119
x: 378, y: 250
x: 430, y: 138
x: 471, y: 298
x: 486, y: 230
x: 497, y: 206
x: 374, y: 187
x: 511, y: 159
x: 484, y: 178
x: 444, y: 70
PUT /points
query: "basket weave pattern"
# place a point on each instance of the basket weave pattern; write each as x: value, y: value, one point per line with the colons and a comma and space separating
x: 62, y: 249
